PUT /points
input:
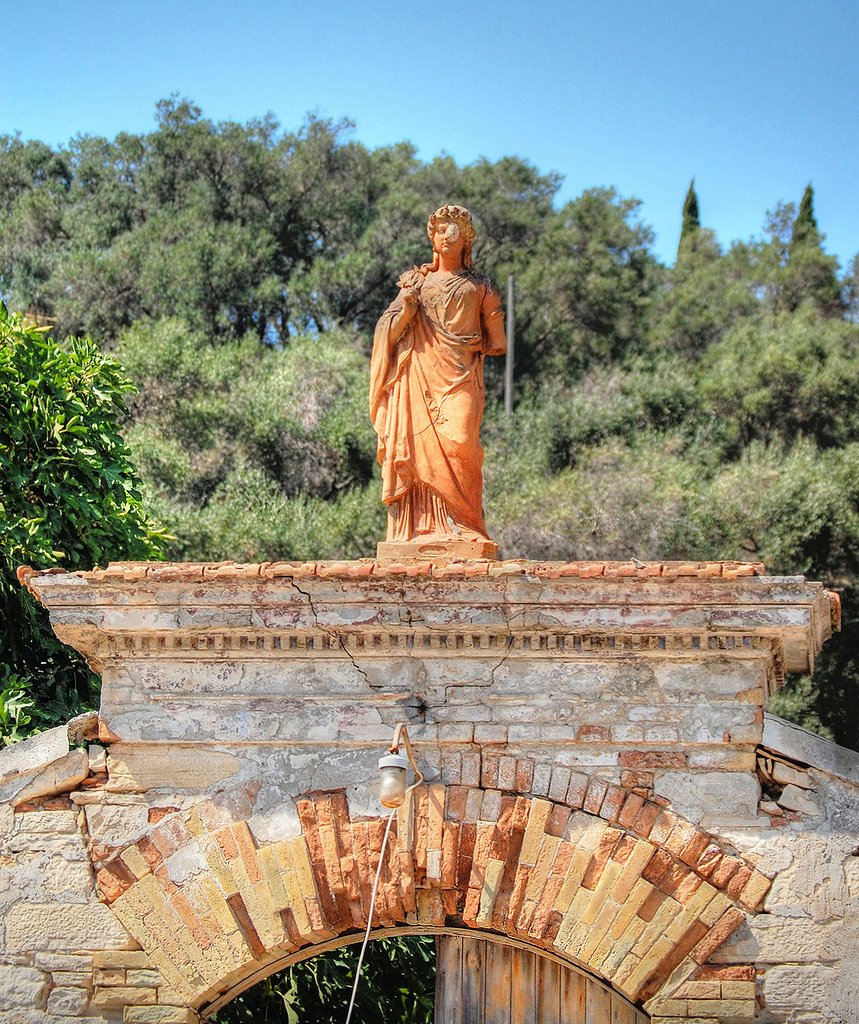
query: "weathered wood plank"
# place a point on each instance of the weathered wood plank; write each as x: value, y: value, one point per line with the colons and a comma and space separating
x: 523, y: 989
x: 573, y: 996
x: 473, y: 981
x: 549, y: 991
x: 598, y: 1006
x: 448, y: 979
x: 499, y: 971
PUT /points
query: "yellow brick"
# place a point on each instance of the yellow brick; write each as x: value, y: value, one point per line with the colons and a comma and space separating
x: 108, y: 976
x: 489, y: 890
x: 657, y: 953
x: 268, y: 863
x: 618, y: 948
x: 610, y: 875
x: 294, y: 894
x: 632, y: 871
x: 573, y: 880
x: 714, y: 909
x: 218, y: 865
x: 194, y: 823
x: 303, y: 867
x: 545, y: 860
x: 119, y: 996
x: 738, y: 990
x: 633, y: 903
x: 538, y: 816
x: 135, y: 861
x: 572, y: 917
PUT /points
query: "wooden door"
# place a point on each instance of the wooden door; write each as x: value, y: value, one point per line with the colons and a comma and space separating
x: 479, y: 981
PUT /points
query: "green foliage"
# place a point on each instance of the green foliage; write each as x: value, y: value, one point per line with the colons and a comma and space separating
x: 69, y: 496
x: 397, y: 984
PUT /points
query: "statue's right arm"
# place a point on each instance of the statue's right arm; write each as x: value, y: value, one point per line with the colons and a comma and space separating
x: 403, y: 309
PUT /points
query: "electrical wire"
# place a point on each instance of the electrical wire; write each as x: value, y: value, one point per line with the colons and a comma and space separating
x: 370, y: 914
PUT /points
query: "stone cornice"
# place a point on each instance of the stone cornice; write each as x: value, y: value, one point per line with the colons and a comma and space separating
x: 367, y: 609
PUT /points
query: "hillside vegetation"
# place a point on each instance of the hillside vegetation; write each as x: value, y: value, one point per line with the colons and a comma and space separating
x: 707, y: 409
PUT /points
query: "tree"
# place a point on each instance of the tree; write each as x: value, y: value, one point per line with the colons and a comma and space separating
x: 691, y: 218
x: 808, y: 276
x: 69, y: 496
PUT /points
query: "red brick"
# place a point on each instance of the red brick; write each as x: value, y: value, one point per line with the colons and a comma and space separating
x: 155, y: 814
x: 576, y: 790
x: 653, y: 902
x: 557, y: 823
x: 733, y: 973
x: 613, y: 802
x: 457, y: 796
x: 709, y: 860
x: 631, y: 807
x: 645, y: 819
x: 687, y: 942
x: 651, y: 759
x: 113, y: 880
x: 687, y: 888
x: 593, y: 734
x: 602, y: 855
x: 737, y: 882
x: 672, y: 879
x: 631, y: 778
x: 724, y: 871
x: 718, y: 934
x: 524, y: 775
x: 695, y: 848
x: 489, y: 771
x: 246, y: 925
x: 623, y: 851
x: 594, y: 796
x: 150, y: 852
x: 656, y: 867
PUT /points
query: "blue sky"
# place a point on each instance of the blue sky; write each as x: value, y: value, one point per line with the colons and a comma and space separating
x: 754, y: 99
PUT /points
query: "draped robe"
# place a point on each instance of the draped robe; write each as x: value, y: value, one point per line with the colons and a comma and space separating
x: 426, y: 404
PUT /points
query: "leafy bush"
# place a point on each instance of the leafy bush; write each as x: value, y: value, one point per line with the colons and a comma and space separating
x: 69, y: 496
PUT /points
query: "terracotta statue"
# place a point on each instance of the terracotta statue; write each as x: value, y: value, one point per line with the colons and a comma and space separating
x: 427, y: 397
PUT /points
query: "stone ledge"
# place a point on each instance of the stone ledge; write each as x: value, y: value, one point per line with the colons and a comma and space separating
x: 807, y: 747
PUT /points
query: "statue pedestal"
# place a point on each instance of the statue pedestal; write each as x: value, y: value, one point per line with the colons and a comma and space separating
x: 437, y: 550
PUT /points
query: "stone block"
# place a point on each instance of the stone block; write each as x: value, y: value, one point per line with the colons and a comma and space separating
x: 35, y: 753
x: 785, y: 775
x: 695, y: 795
x: 68, y: 1002
x: 133, y: 769
x: 123, y: 996
x: 23, y: 986
x: 63, y: 928
x: 159, y: 1015
x: 793, y: 798
x: 58, y: 777
x: 116, y: 824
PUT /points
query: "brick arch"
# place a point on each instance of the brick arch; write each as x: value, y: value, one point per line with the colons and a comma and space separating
x: 616, y: 885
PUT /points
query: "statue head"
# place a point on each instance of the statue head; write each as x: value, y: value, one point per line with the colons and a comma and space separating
x: 462, y: 218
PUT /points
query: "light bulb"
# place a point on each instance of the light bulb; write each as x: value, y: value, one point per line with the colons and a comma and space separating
x: 392, y: 780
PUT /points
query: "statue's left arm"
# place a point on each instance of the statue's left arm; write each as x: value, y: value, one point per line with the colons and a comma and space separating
x: 492, y: 321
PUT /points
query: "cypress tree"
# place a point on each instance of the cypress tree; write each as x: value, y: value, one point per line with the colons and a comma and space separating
x: 691, y: 218
x: 805, y: 225
x: 810, y: 276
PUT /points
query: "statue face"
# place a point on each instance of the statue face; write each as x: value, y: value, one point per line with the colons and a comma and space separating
x: 447, y: 238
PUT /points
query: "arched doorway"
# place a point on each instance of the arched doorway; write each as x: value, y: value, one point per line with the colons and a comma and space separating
x: 485, y: 978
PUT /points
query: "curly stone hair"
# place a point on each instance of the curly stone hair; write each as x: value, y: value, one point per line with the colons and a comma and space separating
x: 462, y: 218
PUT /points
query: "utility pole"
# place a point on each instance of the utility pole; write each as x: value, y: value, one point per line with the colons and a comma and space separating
x: 508, y: 363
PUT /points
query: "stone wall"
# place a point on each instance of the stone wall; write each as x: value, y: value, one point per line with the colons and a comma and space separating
x: 620, y: 706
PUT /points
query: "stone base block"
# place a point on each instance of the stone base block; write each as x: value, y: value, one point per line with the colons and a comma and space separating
x: 437, y: 550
